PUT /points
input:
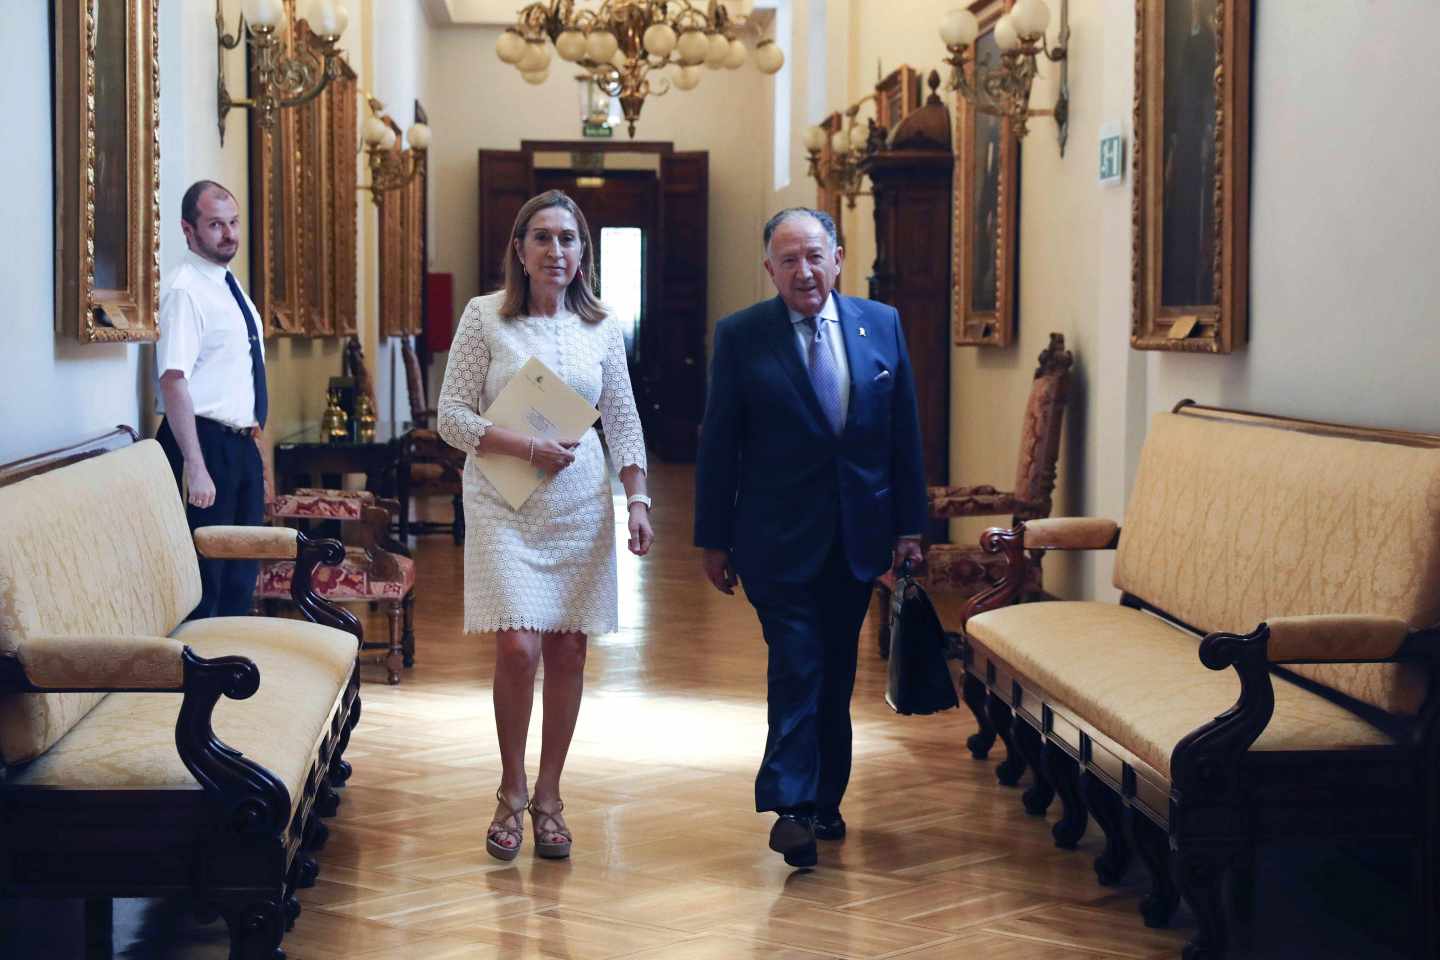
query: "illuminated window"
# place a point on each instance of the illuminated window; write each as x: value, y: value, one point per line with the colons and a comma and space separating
x: 622, y: 278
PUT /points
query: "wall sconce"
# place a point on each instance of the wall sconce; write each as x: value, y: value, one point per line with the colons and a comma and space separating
x: 1004, y: 90
x: 392, y: 167
x: 850, y: 146
x: 281, y: 79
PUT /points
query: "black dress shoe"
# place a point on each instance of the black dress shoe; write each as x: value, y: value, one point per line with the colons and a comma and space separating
x: 829, y: 826
x: 793, y: 836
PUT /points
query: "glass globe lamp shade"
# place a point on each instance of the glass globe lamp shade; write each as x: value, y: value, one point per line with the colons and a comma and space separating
x: 510, y: 47
x: 601, y: 46
x: 813, y: 138
x: 688, y: 78
x: 537, y: 57
x: 1030, y: 18
x: 374, y: 131
x: 839, y: 142
x: 387, y: 141
x: 959, y: 28
x: 418, y: 136
x: 859, y: 137
x: 660, y: 39
x: 264, y: 13
x: 536, y: 77
x: 719, y: 50
x: 769, y: 57
x: 693, y: 47
x: 1007, y: 38
x: 570, y: 45
x: 737, y: 56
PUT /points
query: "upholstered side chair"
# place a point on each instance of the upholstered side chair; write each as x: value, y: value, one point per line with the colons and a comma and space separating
x: 428, y: 465
x: 955, y: 572
x: 375, y: 569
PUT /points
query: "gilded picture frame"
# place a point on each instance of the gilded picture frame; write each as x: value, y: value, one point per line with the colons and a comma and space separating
x: 343, y: 165
x: 1190, y: 208
x: 106, y: 60
x: 276, y: 279
x: 402, y: 243
x: 986, y: 243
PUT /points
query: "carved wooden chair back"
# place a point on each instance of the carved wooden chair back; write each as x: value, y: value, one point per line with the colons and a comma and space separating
x: 414, y: 384
x: 1040, y: 431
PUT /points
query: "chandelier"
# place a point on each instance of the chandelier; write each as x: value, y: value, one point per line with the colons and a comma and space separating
x: 622, y: 42
x: 1004, y: 89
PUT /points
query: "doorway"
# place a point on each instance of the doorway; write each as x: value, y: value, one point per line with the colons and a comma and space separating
x: 647, y: 208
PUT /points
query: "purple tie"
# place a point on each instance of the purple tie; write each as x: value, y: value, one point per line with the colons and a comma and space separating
x: 823, y: 375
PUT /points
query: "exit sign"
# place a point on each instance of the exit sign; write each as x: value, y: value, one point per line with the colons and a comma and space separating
x: 1112, y: 154
x: 599, y: 130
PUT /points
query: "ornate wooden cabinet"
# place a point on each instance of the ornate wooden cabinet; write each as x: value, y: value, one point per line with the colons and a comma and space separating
x: 911, y: 179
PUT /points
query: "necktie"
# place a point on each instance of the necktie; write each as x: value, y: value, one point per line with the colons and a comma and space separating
x: 257, y: 360
x: 824, y: 377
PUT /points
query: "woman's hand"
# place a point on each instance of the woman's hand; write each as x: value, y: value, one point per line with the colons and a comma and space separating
x: 553, y: 457
x: 641, y: 536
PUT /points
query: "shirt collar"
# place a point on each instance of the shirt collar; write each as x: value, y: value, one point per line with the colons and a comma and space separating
x: 827, y: 312
x: 207, y: 269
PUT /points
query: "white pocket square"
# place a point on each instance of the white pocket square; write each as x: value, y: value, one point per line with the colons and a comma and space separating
x: 882, y: 375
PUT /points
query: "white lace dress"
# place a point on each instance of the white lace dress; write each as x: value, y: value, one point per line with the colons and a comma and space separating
x: 549, y: 566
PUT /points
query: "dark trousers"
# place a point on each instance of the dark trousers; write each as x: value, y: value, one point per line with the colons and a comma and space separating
x: 813, y: 632
x: 227, y: 586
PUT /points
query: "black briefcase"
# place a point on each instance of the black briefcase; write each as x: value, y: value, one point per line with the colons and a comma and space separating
x: 919, y: 675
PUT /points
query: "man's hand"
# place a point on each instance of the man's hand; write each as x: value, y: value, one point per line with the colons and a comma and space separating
x: 201, y: 489
x: 719, y: 572
x: 908, y: 548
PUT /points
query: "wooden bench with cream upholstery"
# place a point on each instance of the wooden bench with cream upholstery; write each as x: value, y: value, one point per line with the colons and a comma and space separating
x: 144, y: 756
x: 1306, y: 557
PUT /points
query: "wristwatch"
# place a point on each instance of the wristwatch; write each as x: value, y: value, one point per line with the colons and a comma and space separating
x: 635, y: 498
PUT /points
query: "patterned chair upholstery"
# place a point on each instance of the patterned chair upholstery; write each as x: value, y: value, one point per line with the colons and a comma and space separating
x: 428, y: 465
x: 955, y: 572
x: 375, y: 570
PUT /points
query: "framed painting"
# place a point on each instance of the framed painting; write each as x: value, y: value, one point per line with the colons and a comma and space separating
x: 986, y: 189
x: 897, y: 96
x: 1191, y: 202
x: 402, y: 245
x: 107, y: 174
x: 275, y: 275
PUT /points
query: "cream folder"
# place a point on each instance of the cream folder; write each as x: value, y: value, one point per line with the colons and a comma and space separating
x: 536, y: 403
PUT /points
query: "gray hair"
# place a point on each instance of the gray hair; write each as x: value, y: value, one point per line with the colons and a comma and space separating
x: 795, y: 213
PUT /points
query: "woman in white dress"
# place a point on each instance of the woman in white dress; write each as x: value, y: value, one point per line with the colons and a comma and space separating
x: 542, y: 578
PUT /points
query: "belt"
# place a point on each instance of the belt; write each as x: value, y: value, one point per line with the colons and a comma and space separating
x: 224, y: 427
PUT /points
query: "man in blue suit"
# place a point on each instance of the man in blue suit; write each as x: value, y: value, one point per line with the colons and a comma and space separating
x: 809, y: 485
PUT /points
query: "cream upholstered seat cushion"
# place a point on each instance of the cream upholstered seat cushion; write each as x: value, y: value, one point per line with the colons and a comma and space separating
x: 1232, y: 523
x: 1140, y: 681
x: 97, y: 548
x: 128, y: 740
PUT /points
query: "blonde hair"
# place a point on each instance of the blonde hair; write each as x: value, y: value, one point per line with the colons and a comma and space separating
x: 580, y: 297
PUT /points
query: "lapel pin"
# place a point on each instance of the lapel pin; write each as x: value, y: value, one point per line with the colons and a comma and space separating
x: 862, y: 331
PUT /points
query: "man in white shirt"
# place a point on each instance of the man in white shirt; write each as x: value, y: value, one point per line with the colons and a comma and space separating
x: 211, y: 361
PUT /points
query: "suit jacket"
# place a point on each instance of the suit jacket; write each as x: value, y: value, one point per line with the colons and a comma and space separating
x: 774, y: 483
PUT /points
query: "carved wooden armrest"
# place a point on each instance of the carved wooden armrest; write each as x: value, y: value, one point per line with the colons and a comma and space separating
x: 1071, y: 533
x: 978, y: 501
x: 56, y: 664
x: 247, y: 543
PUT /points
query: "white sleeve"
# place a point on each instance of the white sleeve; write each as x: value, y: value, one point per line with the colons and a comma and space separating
x: 458, y: 418
x: 180, y: 332
x: 617, y: 404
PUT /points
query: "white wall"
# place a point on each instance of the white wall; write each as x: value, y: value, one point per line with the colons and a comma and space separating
x: 476, y: 102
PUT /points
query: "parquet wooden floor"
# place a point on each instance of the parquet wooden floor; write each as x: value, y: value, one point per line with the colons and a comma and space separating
x: 670, y: 860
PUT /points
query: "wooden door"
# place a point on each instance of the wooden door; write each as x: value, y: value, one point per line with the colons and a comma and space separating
x: 676, y: 339
x: 505, y: 184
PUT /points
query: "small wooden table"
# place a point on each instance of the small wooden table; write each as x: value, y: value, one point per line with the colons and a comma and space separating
x: 307, y: 458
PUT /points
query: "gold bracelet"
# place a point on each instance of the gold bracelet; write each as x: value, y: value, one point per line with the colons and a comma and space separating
x: 531, y: 456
